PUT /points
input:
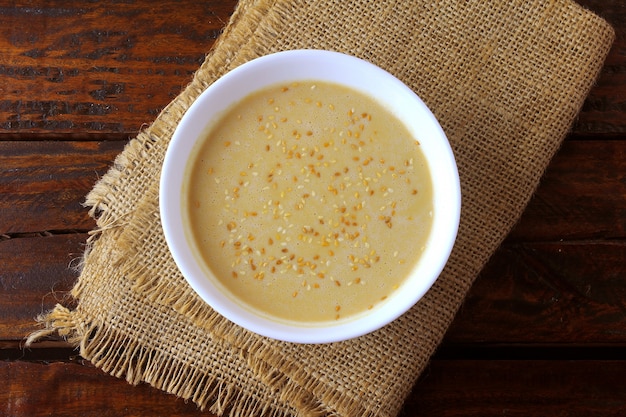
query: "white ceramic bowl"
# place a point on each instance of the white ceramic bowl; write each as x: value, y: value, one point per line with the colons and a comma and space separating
x: 354, y: 73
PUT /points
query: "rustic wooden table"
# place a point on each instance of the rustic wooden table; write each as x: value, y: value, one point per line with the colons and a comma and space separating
x: 543, y: 331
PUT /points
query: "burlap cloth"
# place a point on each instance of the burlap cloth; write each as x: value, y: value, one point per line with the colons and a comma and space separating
x: 505, y: 79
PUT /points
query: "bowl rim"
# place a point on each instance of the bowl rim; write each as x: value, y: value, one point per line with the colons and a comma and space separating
x: 323, y: 65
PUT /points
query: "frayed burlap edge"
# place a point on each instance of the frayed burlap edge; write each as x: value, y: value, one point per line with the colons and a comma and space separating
x: 114, y: 221
x: 128, y: 172
x: 263, y: 356
x: 102, y: 345
x: 124, y: 354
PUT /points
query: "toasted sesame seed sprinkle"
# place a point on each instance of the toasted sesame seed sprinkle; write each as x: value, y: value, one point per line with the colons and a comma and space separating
x: 348, y: 184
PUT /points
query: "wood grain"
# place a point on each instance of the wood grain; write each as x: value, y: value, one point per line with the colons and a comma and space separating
x: 542, y: 331
x: 520, y: 388
x: 74, y: 389
x: 37, y: 273
x: 531, y: 293
x: 546, y: 294
x: 581, y: 196
x: 447, y: 388
x: 109, y: 69
x: 43, y: 184
x: 94, y: 68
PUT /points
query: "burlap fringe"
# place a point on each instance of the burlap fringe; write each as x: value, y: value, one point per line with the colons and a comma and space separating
x: 293, y: 383
x: 128, y: 359
x: 297, y: 391
x: 122, y: 357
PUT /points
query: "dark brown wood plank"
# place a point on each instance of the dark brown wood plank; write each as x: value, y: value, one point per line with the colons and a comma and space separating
x: 581, y: 196
x: 43, y: 184
x: 447, y: 388
x: 73, y: 389
x: 36, y: 274
x: 547, y: 293
x: 104, y: 69
x: 528, y: 284
x: 92, y: 68
x: 531, y: 293
x: 519, y: 388
x: 101, y: 71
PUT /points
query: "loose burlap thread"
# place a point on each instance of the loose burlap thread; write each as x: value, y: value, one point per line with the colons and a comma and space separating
x: 506, y: 81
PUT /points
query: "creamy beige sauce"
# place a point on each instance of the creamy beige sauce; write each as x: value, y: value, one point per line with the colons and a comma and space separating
x: 309, y: 202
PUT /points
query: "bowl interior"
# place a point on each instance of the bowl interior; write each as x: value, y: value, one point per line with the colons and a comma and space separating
x: 353, y: 73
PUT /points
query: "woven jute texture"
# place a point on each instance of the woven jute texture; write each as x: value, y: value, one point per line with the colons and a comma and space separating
x: 505, y: 79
